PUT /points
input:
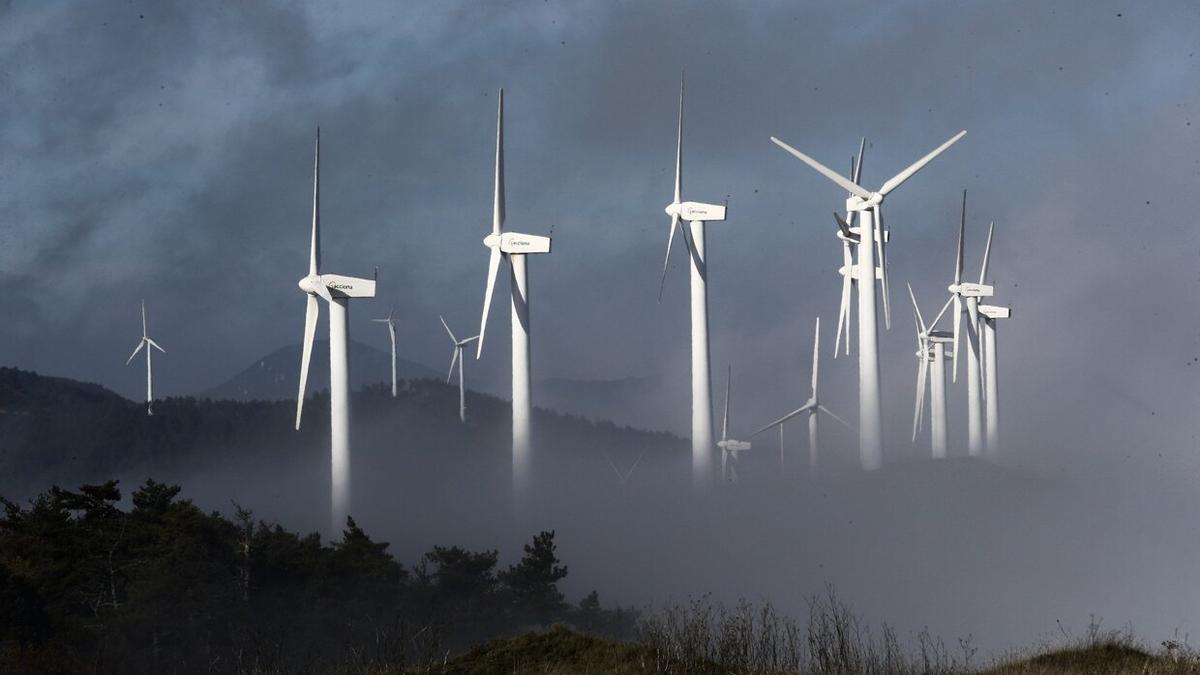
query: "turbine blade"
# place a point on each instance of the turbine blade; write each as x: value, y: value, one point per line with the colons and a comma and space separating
x: 938, y: 318
x: 857, y: 172
x: 448, y: 331
x: 844, y: 306
x: 493, y: 270
x: 322, y: 291
x: 897, y: 180
x: 809, y: 405
x: 962, y: 229
x: 311, y: 312
x: 679, y: 147
x: 617, y: 471
x: 635, y: 465
x: 141, y: 343
x: 987, y: 253
x: 920, y: 320
x: 453, y: 360
x: 144, y: 333
x: 725, y: 418
x: 314, y: 254
x: 844, y: 226
x: 919, y: 413
x: 667, y: 259
x: 154, y: 344
x: 881, y: 250
x: 829, y: 412
x: 816, y: 362
x: 498, y: 193
x: 845, y: 183
x: 957, y: 321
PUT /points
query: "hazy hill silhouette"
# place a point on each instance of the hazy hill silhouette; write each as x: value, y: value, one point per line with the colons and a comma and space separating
x: 57, y: 430
x: 274, y: 377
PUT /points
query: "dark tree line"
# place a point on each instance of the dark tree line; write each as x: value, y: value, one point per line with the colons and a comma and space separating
x: 166, y: 587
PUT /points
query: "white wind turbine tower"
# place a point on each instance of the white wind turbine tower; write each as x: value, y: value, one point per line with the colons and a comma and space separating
x: 931, y: 351
x: 335, y: 290
x: 391, y: 327
x: 730, y: 448
x: 867, y: 204
x: 146, y: 342
x: 966, y: 300
x: 696, y: 214
x: 813, y: 407
x: 512, y: 246
x: 457, y: 357
x: 989, y: 315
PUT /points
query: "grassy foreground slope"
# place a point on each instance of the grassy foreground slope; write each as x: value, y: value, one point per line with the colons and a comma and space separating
x: 562, y: 651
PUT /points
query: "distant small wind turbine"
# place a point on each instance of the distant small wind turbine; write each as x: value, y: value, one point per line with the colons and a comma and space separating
x: 457, y: 357
x: 966, y: 300
x: 696, y: 214
x: 931, y: 350
x: 623, y: 478
x: 336, y: 290
x: 729, y: 447
x: 812, y: 406
x: 146, y: 342
x: 868, y: 205
x: 391, y: 326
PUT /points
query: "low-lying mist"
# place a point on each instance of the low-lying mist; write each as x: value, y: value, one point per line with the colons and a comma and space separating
x: 1008, y: 552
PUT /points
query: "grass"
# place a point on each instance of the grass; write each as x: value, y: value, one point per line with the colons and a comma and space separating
x: 706, y: 639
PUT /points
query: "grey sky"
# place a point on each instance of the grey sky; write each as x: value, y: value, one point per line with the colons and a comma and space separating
x: 163, y: 150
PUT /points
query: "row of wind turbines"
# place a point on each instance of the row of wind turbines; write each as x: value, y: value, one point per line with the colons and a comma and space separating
x: 864, y: 241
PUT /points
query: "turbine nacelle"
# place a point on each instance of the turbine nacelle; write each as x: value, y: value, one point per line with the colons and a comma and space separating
x: 696, y: 211
x: 732, y: 446
x: 516, y: 242
x: 995, y: 312
x: 853, y: 271
x: 857, y: 203
x: 331, y: 286
x: 967, y: 289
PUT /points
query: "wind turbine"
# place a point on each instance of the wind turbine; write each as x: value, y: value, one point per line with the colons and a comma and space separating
x: 729, y: 447
x: 813, y: 407
x: 966, y: 300
x: 990, y: 314
x: 146, y: 342
x: 623, y: 478
x: 512, y: 246
x: 867, y: 204
x: 457, y: 357
x: 931, y: 351
x: 848, y: 234
x: 336, y: 290
x: 696, y: 214
x: 391, y: 326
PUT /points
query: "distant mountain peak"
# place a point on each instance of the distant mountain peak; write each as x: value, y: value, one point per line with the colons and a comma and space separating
x: 275, y: 376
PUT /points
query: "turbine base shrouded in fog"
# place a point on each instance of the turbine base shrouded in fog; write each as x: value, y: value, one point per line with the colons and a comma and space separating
x: 456, y: 357
x: 695, y: 214
x: 513, y: 247
x: 336, y: 290
x: 812, y: 406
x: 868, y: 206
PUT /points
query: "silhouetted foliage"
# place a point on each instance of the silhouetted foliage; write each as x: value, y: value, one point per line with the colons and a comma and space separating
x: 166, y: 587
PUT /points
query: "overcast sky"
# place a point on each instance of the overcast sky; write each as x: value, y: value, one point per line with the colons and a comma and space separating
x: 163, y: 151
